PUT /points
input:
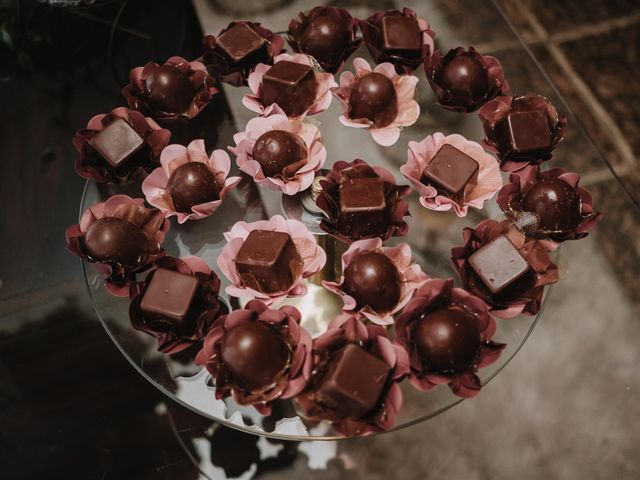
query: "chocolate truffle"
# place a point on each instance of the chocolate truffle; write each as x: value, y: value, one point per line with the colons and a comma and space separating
x: 268, y: 261
x: 168, y: 299
x: 291, y: 85
x: 401, y: 34
x: 373, y: 97
x: 254, y: 354
x: 555, y: 203
x: 373, y: 280
x: 447, y: 340
x: 352, y: 382
x: 499, y: 265
x: 521, y: 132
x: 111, y: 239
x: 465, y: 76
x: 363, y: 207
x: 117, y: 142
x: 325, y: 39
x: 241, y: 43
x: 191, y: 184
x: 277, y: 149
x: 451, y: 172
x: 169, y: 90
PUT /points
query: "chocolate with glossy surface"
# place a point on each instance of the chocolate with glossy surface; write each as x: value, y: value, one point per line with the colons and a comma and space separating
x: 325, y: 39
x: 352, y: 382
x: 363, y: 207
x: 447, y: 340
x: 291, y: 85
x: 268, y: 261
x: 191, y: 184
x: 254, y: 354
x: 111, y: 239
x: 465, y: 76
x: 401, y: 34
x: 117, y: 142
x: 241, y: 43
x: 555, y: 203
x: 277, y: 149
x: 169, y: 90
x: 522, y: 132
x: 374, y: 97
x: 373, y: 280
x: 451, y: 172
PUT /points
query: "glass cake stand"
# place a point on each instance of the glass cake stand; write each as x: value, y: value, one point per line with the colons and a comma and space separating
x: 431, y: 234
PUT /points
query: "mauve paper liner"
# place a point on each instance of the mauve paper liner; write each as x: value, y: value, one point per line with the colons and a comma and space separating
x: 346, y: 329
x: 117, y: 277
x: 155, y: 185
x: 296, y: 177
x: 313, y: 257
x: 91, y: 165
x: 536, y: 252
x: 405, y: 87
x: 170, y: 342
x: 510, y: 197
x: 411, y: 276
x: 286, y: 322
x: 420, y: 155
x: 236, y: 73
x: 437, y: 294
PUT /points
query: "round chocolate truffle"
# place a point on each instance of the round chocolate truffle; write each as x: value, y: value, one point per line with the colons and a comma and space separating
x: 111, y: 239
x: 465, y: 76
x: 276, y: 149
x: 373, y: 280
x: 254, y: 354
x: 447, y: 340
x: 325, y: 39
x: 169, y: 90
x: 374, y: 97
x: 192, y: 184
x: 555, y: 203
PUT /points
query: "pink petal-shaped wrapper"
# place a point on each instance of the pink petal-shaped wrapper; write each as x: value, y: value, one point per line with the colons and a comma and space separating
x: 313, y: 257
x: 411, y: 275
x: 408, y: 108
x: 437, y: 294
x: 325, y: 82
x: 420, y: 155
x: 286, y: 322
x: 154, y: 186
x: 293, y: 182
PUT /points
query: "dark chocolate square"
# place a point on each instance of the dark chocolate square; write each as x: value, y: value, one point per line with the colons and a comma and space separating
x: 452, y: 172
x: 169, y: 297
x: 401, y: 34
x: 352, y: 382
x: 291, y: 85
x: 117, y: 142
x: 267, y: 261
x: 522, y: 132
x: 240, y: 42
x: 363, y: 207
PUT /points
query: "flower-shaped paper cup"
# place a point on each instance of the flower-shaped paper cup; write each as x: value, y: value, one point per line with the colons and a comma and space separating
x: 535, y: 252
x: 155, y: 186
x: 404, y: 85
x: 404, y: 61
x: 313, y: 257
x: 494, y: 114
x: 295, y: 177
x: 289, y: 382
x: 330, y: 52
x: 465, y: 102
x: 324, y: 83
x: 236, y: 72
x: 420, y: 155
x: 437, y: 294
x: 91, y: 165
x: 149, y: 221
x: 182, y: 88
x: 343, y: 330
x: 207, y: 306
x: 411, y: 277
x: 329, y: 200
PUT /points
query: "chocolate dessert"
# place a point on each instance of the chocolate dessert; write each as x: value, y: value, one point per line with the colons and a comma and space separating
x: 192, y: 184
x: 111, y: 239
x: 555, y: 204
x: 169, y: 90
x: 373, y: 97
x: 268, y: 261
x: 451, y: 172
x: 242, y: 44
x: 401, y: 35
x: 363, y: 207
x: 291, y: 85
x: 521, y: 132
x: 464, y: 76
x: 325, y: 38
x: 117, y: 143
x: 276, y: 150
x: 373, y: 280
